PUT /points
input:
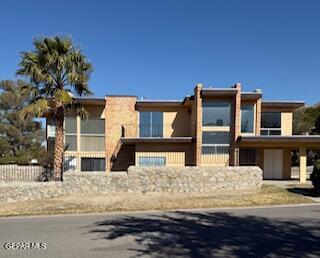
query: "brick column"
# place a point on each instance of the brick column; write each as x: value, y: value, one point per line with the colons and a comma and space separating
x: 303, y: 164
x: 119, y: 111
x: 198, y: 123
x: 78, y: 165
x: 235, y: 128
x: 258, y: 117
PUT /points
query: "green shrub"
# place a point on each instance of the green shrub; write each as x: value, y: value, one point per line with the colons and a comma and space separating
x: 21, y: 160
x: 46, y: 160
x: 315, y: 176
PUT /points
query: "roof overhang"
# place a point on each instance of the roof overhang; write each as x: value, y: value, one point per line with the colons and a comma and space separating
x: 251, y: 96
x: 157, y: 140
x: 91, y: 101
x: 293, y: 141
x: 87, y: 101
x: 188, y: 101
x: 281, y: 105
x: 217, y: 92
x: 158, y: 104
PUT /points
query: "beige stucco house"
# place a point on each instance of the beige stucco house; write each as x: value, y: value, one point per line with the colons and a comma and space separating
x: 211, y: 127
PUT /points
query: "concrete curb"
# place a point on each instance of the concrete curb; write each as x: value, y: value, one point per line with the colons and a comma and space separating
x: 161, y: 211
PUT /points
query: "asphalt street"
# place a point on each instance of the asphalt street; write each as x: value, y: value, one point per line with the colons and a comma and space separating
x: 252, y: 232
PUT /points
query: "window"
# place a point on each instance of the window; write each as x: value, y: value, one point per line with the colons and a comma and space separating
x: 70, y: 125
x: 247, y: 118
x: 215, y: 142
x: 152, y: 161
x: 93, y: 126
x: 215, y: 113
x: 92, y: 134
x: 270, y: 123
x: 151, y: 124
x: 247, y: 157
x: 93, y: 164
x: 71, y: 142
x: 51, y: 131
x: 70, y: 163
x: 70, y: 128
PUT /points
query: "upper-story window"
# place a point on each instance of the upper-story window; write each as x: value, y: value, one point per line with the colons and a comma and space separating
x: 93, y: 126
x: 215, y: 113
x: 70, y: 128
x: 51, y: 128
x: 92, y: 132
x: 247, y: 118
x: 270, y: 123
x: 151, y: 124
x: 215, y: 142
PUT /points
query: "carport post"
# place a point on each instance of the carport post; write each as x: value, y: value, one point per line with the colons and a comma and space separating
x: 303, y: 164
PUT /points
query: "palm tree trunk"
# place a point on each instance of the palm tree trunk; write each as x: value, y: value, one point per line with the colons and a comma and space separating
x: 59, y: 145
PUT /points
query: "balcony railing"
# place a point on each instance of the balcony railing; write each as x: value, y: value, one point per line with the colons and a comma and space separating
x: 270, y: 131
x: 155, y: 130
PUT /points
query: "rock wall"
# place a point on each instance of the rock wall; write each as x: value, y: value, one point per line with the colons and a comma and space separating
x: 193, y: 179
x: 139, y: 180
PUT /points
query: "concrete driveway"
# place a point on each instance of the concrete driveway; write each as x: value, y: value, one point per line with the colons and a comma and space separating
x: 255, y: 232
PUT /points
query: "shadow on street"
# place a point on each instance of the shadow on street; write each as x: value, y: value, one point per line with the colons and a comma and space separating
x: 309, y: 192
x: 186, y: 234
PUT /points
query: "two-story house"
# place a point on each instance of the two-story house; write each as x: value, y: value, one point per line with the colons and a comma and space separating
x: 212, y: 127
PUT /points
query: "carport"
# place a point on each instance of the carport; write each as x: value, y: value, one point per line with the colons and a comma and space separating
x: 273, y: 153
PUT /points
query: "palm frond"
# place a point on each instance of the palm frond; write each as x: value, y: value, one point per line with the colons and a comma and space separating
x: 54, y: 70
x: 36, y: 108
x: 78, y: 109
x: 62, y: 96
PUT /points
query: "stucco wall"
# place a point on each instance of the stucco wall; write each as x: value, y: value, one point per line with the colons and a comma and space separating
x: 176, y: 123
x: 286, y: 123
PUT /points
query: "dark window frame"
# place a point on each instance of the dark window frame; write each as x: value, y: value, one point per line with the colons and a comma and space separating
x: 70, y: 134
x: 216, y: 147
x: 216, y: 104
x: 93, y: 166
x: 249, y: 108
x: 270, y: 129
x: 150, y: 163
x: 151, y: 127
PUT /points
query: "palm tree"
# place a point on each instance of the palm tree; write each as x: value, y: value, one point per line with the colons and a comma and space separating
x: 57, y: 72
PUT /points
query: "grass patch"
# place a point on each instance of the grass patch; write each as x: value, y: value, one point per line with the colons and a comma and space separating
x: 84, y: 203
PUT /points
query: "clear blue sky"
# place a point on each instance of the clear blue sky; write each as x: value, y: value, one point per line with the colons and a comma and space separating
x: 161, y: 49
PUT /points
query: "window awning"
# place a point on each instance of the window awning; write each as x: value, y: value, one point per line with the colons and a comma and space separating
x: 293, y: 141
x: 127, y: 140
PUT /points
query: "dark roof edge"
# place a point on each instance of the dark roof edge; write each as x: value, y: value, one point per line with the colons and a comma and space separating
x: 267, y: 138
x: 157, y: 140
x: 119, y: 95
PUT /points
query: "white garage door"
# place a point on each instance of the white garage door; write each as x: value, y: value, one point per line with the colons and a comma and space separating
x: 273, y: 164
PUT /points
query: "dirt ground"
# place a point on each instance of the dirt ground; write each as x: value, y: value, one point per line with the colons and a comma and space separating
x: 84, y: 203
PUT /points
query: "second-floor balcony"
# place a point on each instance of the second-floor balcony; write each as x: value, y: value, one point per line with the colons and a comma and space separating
x: 270, y: 131
x: 155, y: 131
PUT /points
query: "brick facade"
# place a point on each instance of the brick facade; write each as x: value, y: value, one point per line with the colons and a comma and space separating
x: 235, y: 127
x: 181, y: 119
x: 121, y: 119
x: 197, y: 111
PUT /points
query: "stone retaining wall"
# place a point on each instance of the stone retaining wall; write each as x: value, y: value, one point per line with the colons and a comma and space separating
x: 193, y: 179
x: 139, y: 180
